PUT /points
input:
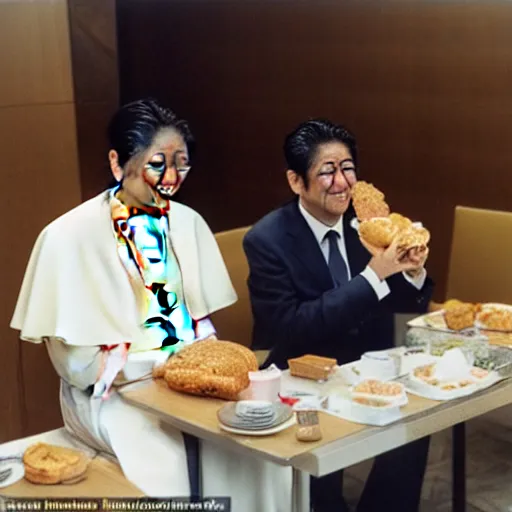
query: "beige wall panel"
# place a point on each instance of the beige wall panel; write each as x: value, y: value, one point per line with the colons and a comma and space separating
x: 35, y: 64
x: 40, y: 175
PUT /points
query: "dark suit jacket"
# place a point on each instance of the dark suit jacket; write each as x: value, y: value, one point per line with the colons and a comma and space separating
x: 297, y: 310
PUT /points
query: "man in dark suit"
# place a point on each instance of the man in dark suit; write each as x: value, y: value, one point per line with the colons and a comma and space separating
x: 316, y: 289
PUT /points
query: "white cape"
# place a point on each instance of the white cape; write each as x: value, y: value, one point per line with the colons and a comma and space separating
x: 76, y: 287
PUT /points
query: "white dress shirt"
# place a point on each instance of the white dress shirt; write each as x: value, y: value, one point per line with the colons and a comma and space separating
x: 320, y: 229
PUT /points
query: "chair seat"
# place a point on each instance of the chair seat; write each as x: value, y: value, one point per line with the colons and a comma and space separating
x: 261, y: 356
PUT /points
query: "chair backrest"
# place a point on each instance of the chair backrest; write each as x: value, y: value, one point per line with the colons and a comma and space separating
x: 235, y: 322
x: 481, y: 256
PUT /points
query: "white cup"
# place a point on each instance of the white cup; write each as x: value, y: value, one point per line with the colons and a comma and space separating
x: 265, y: 384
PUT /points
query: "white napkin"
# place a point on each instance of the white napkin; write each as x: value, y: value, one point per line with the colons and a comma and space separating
x: 453, y: 365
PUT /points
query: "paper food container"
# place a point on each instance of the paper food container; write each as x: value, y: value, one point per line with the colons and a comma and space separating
x: 442, y: 390
x: 395, y: 395
x: 450, y: 377
x: 365, y: 411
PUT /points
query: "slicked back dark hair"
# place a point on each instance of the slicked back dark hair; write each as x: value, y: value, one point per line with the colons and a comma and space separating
x: 135, y: 125
x: 300, y: 146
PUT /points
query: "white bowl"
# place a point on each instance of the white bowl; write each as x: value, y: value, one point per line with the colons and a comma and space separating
x: 378, y: 365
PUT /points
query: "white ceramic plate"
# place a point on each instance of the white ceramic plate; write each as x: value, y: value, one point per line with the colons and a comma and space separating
x: 266, y: 432
x: 17, y: 470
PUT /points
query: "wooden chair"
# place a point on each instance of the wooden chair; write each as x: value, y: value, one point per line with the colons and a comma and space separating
x: 235, y: 322
x: 481, y: 254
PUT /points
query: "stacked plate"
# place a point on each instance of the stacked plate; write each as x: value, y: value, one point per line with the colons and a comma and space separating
x: 252, y: 415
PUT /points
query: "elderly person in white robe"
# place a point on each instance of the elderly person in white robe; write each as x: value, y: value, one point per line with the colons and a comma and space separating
x: 119, y: 284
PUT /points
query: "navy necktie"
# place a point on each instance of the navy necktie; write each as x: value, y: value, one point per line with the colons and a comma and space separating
x: 336, y: 263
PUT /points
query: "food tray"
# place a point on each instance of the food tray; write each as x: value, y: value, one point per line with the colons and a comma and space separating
x: 418, y: 387
x: 435, y: 320
x: 343, y: 407
x: 477, y: 349
x: 396, y: 399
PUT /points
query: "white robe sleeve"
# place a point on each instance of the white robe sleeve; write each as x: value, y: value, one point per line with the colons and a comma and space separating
x: 78, y: 366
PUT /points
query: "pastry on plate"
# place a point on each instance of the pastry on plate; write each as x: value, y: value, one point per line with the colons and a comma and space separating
x: 48, y: 464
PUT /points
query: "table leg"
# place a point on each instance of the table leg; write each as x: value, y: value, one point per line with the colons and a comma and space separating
x: 193, y: 451
x: 300, y: 491
x: 459, y: 468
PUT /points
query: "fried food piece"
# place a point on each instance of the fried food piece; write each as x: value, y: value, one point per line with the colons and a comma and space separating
x: 496, y: 318
x: 449, y: 304
x: 376, y: 387
x: 368, y: 201
x: 413, y: 237
x: 378, y: 227
x: 378, y: 232
x: 460, y: 317
x: 48, y: 464
x: 479, y: 373
x: 400, y: 221
x: 212, y: 368
x: 425, y: 372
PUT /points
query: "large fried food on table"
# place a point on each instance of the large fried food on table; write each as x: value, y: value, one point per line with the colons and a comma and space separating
x: 48, y: 464
x: 368, y: 201
x: 378, y: 232
x: 211, y: 368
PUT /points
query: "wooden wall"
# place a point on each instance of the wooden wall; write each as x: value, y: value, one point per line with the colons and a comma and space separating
x: 38, y: 162
x: 95, y: 77
x: 426, y: 87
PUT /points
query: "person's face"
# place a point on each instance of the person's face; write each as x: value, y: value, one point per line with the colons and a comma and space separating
x: 153, y: 176
x: 330, y: 179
